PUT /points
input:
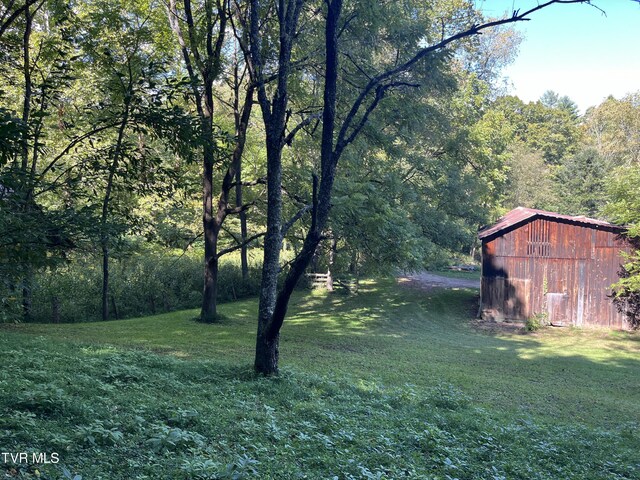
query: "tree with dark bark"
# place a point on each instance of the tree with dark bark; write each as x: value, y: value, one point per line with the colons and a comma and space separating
x: 336, y: 135
x: 274, y: 112
x: 203, y: 57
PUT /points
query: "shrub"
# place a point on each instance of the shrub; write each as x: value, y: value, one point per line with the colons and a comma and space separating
x: 47, y: 400
x: 173, y: 438
x: 97, y: 434
x: 141, y: 284
x: 626, y: 292
x: 10, y: 296
x: 538, y: 321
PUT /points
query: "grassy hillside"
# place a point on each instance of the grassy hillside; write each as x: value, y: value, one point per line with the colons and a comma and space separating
x: 392, y: 383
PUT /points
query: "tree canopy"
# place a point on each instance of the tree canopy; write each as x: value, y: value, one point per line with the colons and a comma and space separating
x: 359, y: 137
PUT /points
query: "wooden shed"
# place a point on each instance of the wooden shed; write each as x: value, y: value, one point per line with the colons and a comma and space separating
x: 537, y: 262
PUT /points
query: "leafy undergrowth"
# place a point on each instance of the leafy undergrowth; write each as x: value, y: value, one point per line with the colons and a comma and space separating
x: 393, y: 383
x: 110, y: 413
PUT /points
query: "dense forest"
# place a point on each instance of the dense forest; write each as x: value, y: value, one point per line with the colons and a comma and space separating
x: 161, y: 155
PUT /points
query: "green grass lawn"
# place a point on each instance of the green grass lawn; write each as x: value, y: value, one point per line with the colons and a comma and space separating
x: 391, y: 383
x: 470, y: 275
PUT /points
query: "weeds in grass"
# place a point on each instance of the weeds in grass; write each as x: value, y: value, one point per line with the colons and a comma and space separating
x: 96, y: 434
x: 536, y: 322
x: 201, y: 420
x: 388, y: 385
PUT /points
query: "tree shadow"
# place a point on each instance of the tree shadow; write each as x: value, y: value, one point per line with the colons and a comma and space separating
x: 501, y: 298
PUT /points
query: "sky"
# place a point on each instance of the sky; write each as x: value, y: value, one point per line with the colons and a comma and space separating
x: 575, y: 50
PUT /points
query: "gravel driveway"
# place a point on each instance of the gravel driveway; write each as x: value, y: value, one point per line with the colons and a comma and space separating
x: 428, y: 281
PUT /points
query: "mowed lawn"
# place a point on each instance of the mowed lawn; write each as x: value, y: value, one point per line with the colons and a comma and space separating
x: 394, y: 382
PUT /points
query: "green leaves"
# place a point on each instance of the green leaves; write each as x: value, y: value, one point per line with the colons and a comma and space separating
x: 12, y: 132
x: 624, y: 207
x: 581, y: 183
x: 551, y: 130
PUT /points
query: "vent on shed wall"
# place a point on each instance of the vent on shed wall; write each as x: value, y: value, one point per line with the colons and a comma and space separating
x: 538, y: 244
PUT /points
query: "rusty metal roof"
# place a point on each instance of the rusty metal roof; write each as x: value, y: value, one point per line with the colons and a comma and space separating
x: 521, y: 215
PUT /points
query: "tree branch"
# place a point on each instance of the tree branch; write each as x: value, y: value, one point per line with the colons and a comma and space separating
x: 11, y: 18
x: 72, y: 144
x: 184, y: 250
x: 289, y: 138
x: 293, y: 196
x: 174, y: 22
x: 239, y: 209
x: 299, y: 214
x: 253, y: 183
x: 423, y: 52
x: 192, y: 37
x: 224, y: 228
x: 239, y: 246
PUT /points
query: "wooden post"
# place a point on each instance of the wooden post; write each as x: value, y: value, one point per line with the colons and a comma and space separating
x: 332, y: 258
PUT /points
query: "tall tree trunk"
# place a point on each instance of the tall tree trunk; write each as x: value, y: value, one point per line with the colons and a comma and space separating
x: 55, y: 309
x: 273, y: 113
x: 208, y: 312
x: 104, y: 234
x: 27, y: 281
x: 273, y: 304
x: 274, y: 116
x: 241, y: 115
x: 213, y: 224
x: 105, y: 279
x: 27, y: 285
x: 266, y: 359
x: 208, y: 67
x: 28, y: 87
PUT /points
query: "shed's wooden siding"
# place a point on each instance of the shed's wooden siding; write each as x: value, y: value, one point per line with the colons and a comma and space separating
x: 553, y: 266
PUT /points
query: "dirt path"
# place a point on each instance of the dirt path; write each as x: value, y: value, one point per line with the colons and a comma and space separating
x: 427, y: 281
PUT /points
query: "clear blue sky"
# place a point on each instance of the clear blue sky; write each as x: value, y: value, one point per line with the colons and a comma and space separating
x: 575, y: 50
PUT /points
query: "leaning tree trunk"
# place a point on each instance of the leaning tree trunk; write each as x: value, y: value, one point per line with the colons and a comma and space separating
x: 273, y: 304
x: 273, y: 308
x: 271, y: 316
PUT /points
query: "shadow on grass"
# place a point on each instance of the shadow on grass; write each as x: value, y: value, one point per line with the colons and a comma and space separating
x: 406, y: 335
x: 399, y: 336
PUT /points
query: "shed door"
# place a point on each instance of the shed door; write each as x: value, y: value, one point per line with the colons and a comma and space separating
x: 557, y: 309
